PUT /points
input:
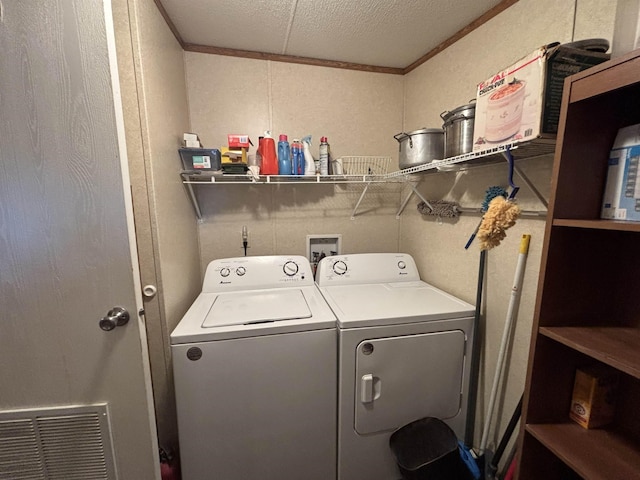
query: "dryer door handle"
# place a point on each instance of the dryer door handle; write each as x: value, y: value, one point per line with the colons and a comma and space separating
x: 366, y: 388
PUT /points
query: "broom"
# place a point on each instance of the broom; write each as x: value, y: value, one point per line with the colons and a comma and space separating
x: 490, y: 194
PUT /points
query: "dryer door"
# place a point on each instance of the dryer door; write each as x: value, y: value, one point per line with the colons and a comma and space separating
x: 401, y: 379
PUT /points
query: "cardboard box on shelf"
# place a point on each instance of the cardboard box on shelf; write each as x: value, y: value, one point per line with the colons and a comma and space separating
x: 233, y: 155
x: 621, y: 199
x: 522, y: 102
x: 238, y: 141
x: 191, y: 140
x: 593, y: 399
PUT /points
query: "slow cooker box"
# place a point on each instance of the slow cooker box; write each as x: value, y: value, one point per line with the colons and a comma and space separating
x: 523, y: 101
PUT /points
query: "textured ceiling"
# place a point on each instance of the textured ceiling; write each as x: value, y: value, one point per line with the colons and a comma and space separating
x: 391, y: 33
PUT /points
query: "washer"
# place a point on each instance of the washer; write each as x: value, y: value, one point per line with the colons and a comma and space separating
x: 254, y: 362
x: 404, y: 350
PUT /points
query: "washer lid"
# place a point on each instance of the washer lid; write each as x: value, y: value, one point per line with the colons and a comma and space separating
x: 240, y: 308
x: 393, y: 303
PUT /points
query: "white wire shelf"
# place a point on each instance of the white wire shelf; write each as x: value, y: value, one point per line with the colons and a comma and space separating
x: 227, y: 179
x: 519, y: 150
x: 373, y: 170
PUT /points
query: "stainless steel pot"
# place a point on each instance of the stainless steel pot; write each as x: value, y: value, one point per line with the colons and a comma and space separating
x: 420, y: 147
x: 458, y: 130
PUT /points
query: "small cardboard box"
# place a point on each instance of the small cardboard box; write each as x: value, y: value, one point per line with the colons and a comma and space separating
x: 593, y: 399
x: 523, y: 101
x: 621, y: 199
x: 238, y: 141
x: 191, y: 140
x: 233, y: 155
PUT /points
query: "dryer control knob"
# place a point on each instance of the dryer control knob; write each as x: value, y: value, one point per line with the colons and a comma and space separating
x: 225, y: 272
x: 290, y: 268
x: 402, y: 265
x: 340, y: 267
x: 240, y: 271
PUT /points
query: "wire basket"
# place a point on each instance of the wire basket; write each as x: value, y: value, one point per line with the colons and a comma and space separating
x: 365, y: 165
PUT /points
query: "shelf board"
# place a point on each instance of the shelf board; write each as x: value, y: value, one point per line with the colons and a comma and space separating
x: 598, y: 224
x: 606, y: 77
x: 594, y: 454
x: 614, y: 346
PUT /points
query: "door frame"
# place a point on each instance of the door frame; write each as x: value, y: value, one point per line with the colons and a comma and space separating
x: 133, y: 247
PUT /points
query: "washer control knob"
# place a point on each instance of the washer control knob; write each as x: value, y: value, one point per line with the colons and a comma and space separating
x: 225, y: 272
x: 340, y: 268
x: 402, y: 265
x: 290, y: 268
x: 240, y: 271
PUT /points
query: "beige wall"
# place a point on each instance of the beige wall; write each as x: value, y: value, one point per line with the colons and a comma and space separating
x: 164, y: 118
x: 150, y: 62
x: 444, y: 83
x: 359, y: 112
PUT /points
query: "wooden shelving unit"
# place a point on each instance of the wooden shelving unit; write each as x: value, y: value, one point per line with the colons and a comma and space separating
x: 588, y: 301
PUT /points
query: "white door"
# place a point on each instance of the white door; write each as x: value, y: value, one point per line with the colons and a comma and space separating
x: 67, y: 253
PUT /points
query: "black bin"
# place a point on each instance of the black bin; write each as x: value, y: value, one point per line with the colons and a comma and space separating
x: 427, y: 449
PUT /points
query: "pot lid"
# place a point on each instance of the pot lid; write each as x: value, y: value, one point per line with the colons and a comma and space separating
x: 591, y: 44
x: 468, y: 109
x: 426, y: 130
x: 402, y: 135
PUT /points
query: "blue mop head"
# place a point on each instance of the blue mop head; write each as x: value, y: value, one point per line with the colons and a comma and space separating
x: 490, y: 194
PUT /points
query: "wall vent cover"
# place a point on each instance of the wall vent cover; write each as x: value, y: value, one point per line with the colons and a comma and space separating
x: 64, y: 443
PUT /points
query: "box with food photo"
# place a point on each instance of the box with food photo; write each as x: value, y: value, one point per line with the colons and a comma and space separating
x: 522, y: 102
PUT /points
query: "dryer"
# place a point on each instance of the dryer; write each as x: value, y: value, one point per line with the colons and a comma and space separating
x: 404, y: 351
x: 254, y: 362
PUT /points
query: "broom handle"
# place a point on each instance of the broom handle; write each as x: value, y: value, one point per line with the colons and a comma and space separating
x: 474, y: 368
x: 473, y: 235
x: 513, y: 302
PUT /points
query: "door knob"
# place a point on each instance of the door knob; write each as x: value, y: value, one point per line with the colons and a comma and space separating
x: 116, y: 317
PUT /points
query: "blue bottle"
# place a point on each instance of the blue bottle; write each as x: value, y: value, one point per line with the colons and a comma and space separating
x: 284, y: 156
x: 297, y: 157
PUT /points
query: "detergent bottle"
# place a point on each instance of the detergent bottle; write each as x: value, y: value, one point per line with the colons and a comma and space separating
x: 268, y: 154
x: 297, y: 157
x: 309, y: 164
x: 324, y: 156
x: 284, y: 156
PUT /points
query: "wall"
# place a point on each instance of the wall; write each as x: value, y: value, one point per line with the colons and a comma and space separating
x: 444, y: 83
x: 359, y: 112
x: 151, y: 70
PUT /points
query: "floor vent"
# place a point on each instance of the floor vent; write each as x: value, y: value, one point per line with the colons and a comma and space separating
x: 67, y: 443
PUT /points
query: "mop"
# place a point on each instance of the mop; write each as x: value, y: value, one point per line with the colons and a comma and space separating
x: 513, y: 303
x: 439, y: 208
x: 501, y: 214
x: 489, y: 195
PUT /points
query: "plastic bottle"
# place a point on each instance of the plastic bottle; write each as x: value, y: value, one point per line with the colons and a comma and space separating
x: 259, y: 152
x: 309, y: 164
x: 268, y: 153
x: 297, y: 157
x: 284, y: 156
x: 324, y: 156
